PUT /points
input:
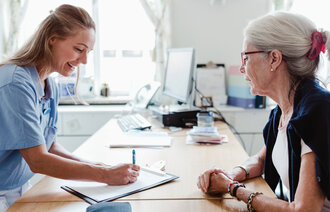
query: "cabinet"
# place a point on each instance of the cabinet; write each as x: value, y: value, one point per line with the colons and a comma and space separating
x: 249, y: 124
x: 77, y: 123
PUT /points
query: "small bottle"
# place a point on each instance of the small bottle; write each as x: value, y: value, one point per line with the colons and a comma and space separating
x: 205, y: 119
x: 105, y: 90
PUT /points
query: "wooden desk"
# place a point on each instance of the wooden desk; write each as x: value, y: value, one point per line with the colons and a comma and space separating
x: 186, y: 161
x: 218, y: 205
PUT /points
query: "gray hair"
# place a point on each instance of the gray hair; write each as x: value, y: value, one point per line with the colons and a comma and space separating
x: 292, y: 35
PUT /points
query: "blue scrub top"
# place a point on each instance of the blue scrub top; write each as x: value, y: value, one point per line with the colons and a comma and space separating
x: 28, y: 118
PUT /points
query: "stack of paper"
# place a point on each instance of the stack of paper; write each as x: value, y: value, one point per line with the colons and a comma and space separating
x: 205, y: 135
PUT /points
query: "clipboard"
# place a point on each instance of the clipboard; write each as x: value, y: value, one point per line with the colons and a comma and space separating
x: 92, y: 192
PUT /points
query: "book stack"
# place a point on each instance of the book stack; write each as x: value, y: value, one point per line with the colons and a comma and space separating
x: 239, y: 90
x: 205, y: 135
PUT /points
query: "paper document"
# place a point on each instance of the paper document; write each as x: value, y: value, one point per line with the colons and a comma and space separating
x: 102, y: 192
x: 141, y: 139
x: 205, y: 135
x: 202, y: 140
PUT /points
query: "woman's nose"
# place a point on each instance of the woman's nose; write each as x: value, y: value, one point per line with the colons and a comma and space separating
x: 83, y: 58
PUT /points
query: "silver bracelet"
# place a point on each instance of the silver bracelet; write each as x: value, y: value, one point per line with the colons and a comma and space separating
x: 247, y: 173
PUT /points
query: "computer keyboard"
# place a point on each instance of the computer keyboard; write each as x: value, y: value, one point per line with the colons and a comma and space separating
x: 133, y: 122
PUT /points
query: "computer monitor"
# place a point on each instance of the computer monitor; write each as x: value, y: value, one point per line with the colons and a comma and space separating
x: 178, y: 79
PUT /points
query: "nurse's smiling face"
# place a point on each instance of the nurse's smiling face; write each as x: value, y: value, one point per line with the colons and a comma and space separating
x: 72, y: 51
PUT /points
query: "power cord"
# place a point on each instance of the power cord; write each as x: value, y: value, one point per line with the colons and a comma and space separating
x: 222, y: 118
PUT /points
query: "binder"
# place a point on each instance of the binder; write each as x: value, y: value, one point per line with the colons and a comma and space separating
x: 239, y: 91
x: 92, y: 192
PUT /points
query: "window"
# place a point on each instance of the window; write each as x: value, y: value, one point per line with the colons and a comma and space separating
x: 125, y: 40
x: 320, y: 17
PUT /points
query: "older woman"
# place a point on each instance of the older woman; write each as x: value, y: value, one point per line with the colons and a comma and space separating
x: 28, y: 107
x: 279, y: 60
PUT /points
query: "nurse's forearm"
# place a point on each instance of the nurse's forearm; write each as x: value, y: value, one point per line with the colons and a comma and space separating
x: 59, y: 167
x: 43, y: 162
x: 59, y: 150
x: 254, y: 164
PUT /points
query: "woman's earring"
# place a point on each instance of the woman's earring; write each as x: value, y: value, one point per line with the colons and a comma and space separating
x: 271, y: 69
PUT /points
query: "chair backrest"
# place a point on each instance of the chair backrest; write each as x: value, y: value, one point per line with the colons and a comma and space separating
x: 110, y: 207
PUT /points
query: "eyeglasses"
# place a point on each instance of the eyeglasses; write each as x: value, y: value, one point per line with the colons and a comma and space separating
x: 244, y: 58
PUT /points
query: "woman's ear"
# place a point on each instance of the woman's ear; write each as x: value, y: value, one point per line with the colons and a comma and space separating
x: 276, y: 58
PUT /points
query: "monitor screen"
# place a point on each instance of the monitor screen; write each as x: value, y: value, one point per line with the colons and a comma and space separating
x: 179, y: 70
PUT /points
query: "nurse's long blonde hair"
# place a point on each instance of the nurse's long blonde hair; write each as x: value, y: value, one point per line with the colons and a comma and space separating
x: 65, y: 21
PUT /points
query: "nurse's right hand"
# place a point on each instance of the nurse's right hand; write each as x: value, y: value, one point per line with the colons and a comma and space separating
x: 121, y: 174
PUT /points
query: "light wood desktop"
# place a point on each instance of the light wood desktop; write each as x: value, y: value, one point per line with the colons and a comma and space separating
x: 183, y: 160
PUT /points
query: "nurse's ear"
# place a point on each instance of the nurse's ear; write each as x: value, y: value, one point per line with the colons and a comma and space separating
x: 52, y: 41
x: 275, y: 58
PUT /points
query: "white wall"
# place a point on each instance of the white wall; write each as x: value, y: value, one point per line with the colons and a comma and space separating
x: 216, y: 32
x: 1, y: 29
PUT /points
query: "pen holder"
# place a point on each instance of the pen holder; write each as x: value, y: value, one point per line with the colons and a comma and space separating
x: 205, y: 119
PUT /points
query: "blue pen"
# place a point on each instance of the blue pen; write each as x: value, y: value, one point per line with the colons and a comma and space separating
x: 133, y: 156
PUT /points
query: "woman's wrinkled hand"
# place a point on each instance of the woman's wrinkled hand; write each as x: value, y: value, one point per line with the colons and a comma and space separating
x: 218, y: 183
x: 203, y: 182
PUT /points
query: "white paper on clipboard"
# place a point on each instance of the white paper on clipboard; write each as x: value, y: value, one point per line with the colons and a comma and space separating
x: 211, y: 82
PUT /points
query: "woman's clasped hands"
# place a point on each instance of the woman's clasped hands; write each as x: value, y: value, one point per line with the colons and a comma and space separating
x: 215, y: 181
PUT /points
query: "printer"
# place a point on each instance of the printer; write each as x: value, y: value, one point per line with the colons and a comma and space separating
x: 185, y: 118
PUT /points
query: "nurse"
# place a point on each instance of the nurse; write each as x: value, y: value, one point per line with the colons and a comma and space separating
x: 28, y: 108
